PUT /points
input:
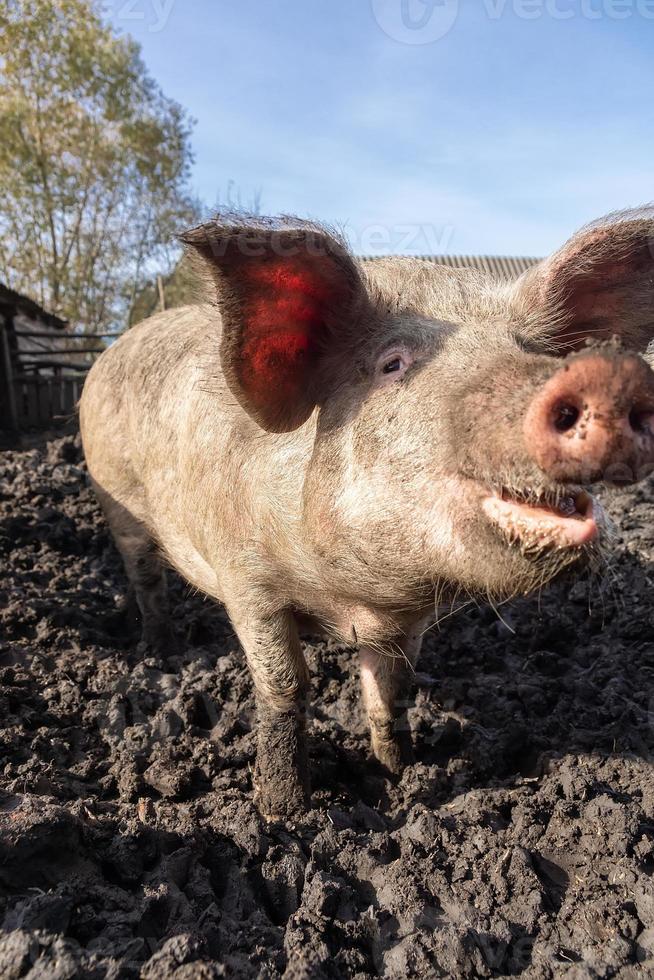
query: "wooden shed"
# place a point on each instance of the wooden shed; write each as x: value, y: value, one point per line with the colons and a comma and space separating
x: 42, y: 364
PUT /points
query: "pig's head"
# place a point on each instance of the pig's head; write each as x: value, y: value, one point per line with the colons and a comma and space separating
x: 457, y: 422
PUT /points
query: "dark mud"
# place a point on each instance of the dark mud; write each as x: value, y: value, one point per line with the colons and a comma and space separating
x: 520, y: 844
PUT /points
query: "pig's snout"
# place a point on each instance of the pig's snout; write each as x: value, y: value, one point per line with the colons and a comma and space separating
x: 594, y: 420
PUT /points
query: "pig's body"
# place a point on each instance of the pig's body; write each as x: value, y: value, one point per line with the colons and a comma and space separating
x: 224, y: 501
x: 345, y: 448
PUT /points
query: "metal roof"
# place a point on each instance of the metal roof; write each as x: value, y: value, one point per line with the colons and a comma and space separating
x: 504, y: 267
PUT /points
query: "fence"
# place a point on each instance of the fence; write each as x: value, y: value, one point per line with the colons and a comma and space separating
x: 43, y: 386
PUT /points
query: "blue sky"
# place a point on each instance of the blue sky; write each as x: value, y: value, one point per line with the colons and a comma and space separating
x: 520, y: 122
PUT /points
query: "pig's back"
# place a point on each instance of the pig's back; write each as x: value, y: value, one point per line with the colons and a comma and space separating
x: 436, y: 291
x: 151, y: 355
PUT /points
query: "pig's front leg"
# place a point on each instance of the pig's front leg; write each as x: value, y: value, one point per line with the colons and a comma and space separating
x: 281, y: 680
x: 385, y: 682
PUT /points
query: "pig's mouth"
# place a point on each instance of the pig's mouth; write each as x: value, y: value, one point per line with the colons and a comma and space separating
x: 564, y: 519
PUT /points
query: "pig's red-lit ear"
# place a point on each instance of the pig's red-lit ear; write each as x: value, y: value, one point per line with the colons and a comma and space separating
x: 600, y: 284
x: 284, y: 290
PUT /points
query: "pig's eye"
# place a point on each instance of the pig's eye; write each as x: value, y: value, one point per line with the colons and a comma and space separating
x: 392, y: 366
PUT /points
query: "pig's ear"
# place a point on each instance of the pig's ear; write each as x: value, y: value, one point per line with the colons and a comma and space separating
x: 600, y: 284
x: 285, y: 290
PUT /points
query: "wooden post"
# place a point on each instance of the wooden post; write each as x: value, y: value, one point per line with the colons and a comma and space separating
x: 5, y: 354
x: 162, y: 295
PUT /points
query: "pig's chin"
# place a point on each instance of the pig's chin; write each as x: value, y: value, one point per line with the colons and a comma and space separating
x: 538, y: 522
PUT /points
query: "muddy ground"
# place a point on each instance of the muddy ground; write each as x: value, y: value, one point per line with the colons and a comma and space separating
x: 520, y: 844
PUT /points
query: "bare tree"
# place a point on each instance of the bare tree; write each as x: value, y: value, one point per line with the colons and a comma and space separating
x: 94, y: 163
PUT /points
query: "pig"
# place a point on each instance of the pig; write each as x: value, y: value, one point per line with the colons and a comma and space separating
x: 346, y: 447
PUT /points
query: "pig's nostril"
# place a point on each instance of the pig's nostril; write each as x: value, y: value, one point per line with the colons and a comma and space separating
x: 641, y: 420
x: 565, y: 416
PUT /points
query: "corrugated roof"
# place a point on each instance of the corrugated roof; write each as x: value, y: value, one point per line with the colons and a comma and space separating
x: 503, y: 267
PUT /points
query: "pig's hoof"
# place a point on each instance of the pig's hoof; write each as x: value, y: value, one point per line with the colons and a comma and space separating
x: 159, y: 640
x: 393, y: 753
x: 280, y: 803
x: 281, y: 780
